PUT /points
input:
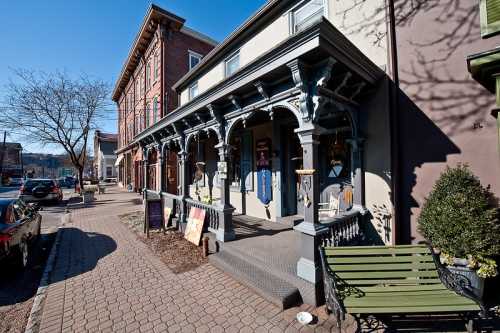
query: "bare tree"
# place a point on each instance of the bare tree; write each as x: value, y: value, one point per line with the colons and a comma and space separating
x: 54, y: 109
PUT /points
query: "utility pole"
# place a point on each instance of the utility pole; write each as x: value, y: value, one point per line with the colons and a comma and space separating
x: 2, y: 157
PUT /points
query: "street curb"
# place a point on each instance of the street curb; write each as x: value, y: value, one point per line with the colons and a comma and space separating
x: 35, y: 317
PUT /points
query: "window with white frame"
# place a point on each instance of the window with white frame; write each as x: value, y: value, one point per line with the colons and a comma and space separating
x: 194, y: 59
x: 148, y: 76
x: 232, y: 64
x: 157, y: 65
x: 193, y: 91
x: 307, y: 14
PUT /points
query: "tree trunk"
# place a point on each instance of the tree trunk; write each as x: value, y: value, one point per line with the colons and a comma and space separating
x: 80, y: 179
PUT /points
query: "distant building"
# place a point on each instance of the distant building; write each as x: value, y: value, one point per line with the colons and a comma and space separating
x: 105, y: 145
x: 11, y: 165
x: 47, y: 166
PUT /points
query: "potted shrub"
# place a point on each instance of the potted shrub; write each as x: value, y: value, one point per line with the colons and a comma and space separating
x: 88, y: 193
x: 460, y: 219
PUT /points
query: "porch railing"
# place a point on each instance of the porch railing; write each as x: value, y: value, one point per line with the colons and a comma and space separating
x: 343, y: 229
x: 212, y: 213
x: 173, y: 201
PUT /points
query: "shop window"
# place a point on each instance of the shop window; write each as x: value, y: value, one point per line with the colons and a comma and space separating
x: 490, y: 17
x: 307, y: 14
x: 246, y: 161
x: 235, y: 162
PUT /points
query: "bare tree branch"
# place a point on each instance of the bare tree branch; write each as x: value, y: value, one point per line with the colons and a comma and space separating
x: 55, y: 109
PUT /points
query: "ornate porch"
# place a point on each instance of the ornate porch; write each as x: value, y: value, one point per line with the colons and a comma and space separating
x: 310, y: 88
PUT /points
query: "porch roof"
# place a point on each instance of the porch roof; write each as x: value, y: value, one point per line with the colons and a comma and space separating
x: 485, y: 68
x: 312, y: 45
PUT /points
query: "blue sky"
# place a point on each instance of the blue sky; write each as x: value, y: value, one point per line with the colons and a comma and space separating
x: 94, y: 36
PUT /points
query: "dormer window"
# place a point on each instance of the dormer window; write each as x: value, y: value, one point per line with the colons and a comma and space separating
x: 194, y: 59
x: 307, y: 14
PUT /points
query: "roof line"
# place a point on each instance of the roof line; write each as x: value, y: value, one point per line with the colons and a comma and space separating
x: 147, y: 18
x: 264, y: 9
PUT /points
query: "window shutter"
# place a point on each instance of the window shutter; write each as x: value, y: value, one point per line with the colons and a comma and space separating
x: 246, y: 162
x: 490, y: 17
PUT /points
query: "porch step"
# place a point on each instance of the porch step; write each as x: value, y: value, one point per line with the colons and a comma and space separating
x: 265, y: 283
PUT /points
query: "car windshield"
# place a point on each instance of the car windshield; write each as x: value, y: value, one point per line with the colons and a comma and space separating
x: 32, y: 183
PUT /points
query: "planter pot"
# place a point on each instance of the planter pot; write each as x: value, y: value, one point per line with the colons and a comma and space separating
x: 88, y: 197
x: 476, y: 282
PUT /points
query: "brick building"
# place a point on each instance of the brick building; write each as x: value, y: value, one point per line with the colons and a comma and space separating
x: 163, y: 51
x: 11, y: 165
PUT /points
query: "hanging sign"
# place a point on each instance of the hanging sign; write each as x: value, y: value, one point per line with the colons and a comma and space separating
x: 194, y: 226
x: 264, y: 176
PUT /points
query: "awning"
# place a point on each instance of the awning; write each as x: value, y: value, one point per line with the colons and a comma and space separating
x: 119, y: 159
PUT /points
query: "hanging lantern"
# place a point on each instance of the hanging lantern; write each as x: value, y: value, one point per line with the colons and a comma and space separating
x: 338, y: 154
x: 200, y: 165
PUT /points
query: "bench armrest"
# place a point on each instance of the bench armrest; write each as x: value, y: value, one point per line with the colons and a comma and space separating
x: 332, y: 299
x: 455, y: 282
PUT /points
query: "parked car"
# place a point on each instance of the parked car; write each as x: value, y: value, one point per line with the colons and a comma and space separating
x: 35, y: 190
x: 16, y: 182
x: 20, y: 226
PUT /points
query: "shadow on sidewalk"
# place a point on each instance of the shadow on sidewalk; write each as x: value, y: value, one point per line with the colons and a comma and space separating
x: 16, y: 285
x: 79, y: 252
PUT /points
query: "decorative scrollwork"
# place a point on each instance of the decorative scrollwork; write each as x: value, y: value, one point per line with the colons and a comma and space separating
x: 458, y: 283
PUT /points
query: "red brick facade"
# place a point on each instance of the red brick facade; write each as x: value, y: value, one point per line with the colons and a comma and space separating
x: 144, y: 91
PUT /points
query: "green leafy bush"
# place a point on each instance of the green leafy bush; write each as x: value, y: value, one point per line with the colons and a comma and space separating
x: 459, y: 216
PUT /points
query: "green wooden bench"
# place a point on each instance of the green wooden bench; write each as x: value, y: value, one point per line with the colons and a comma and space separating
x: 405, y: 279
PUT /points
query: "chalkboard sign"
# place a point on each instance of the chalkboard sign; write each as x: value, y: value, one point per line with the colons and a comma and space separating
x: 154, y: 216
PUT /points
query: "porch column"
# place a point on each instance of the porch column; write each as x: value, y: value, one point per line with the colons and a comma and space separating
x: 145, y: 165
x: 225, y: 232
x: 184, y: 189
x: 309, y: 266
x: 161, y: 161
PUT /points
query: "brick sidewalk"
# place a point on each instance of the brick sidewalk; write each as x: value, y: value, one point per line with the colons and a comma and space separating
x: 106, y: 280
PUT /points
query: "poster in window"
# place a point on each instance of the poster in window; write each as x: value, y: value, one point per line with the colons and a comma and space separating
x: 194, y: 226
x: 154, y: 216
x: 264, y: 178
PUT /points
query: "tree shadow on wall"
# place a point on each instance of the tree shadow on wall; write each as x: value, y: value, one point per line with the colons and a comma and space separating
x: 424, y: 143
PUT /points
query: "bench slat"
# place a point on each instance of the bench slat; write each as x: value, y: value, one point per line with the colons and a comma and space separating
x: 345, y: 251
x: 386, y: 282
x: 383, y: 267
x: 385, y: 289
x: 427, y: 300
x: 389, y: 294
x: 378, y: 259
x: 386, y: 275
x: 414, y: 309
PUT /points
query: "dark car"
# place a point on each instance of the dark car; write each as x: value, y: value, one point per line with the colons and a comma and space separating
x: 20, y: 226
x: 35, y: 190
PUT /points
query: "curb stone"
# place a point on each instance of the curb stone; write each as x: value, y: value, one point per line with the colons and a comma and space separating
x: 35, y: 316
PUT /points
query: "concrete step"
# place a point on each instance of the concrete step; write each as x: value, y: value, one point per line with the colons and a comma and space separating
x: 268, y: 285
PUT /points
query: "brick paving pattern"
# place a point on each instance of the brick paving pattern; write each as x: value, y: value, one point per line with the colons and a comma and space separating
x: 106, y: 280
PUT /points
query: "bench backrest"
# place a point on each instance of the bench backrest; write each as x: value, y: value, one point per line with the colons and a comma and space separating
x: 366, y: 266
